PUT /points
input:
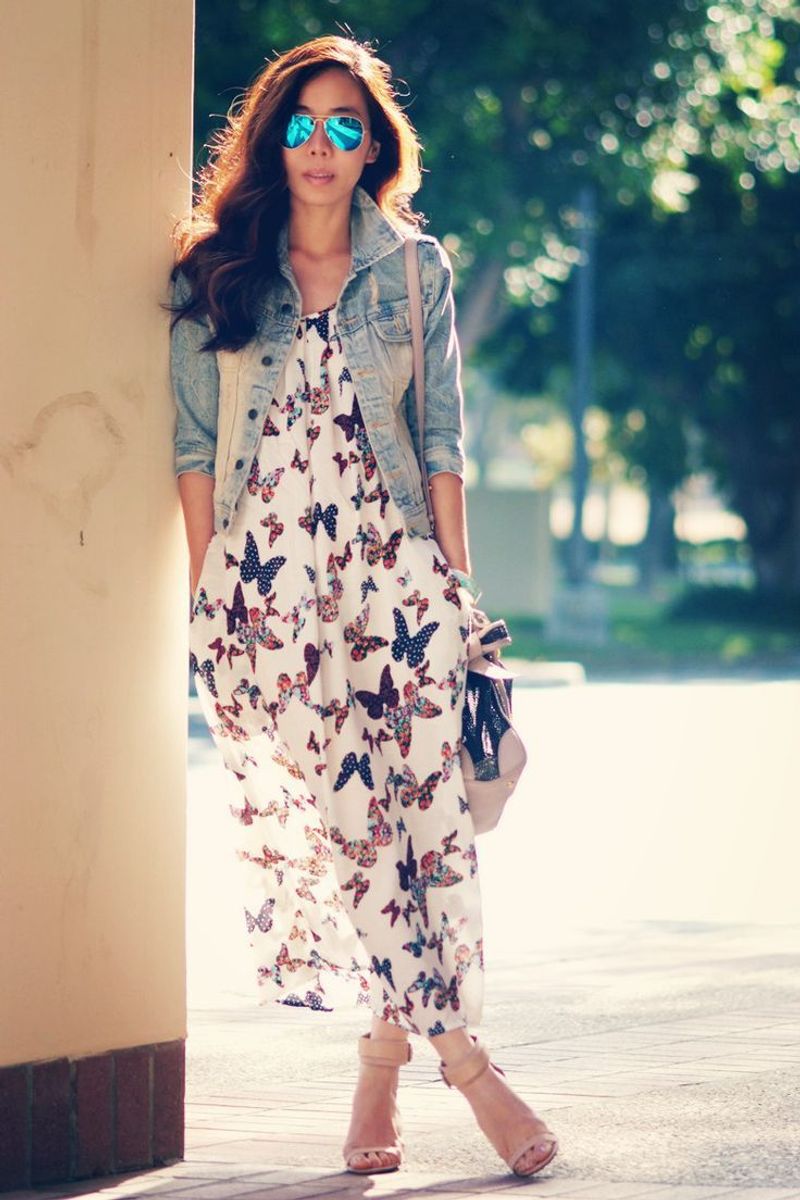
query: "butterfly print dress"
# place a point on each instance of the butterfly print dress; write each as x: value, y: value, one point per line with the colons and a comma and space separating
x: 329, y: 654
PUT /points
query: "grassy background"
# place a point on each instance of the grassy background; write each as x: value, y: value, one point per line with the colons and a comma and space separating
x: 678, y: 628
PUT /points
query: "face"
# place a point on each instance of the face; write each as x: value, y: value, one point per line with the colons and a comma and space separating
x: 333, y: 92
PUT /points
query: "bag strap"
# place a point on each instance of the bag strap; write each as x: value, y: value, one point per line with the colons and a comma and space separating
x: 415, y: 309
x: 480, y: 623
x: 486, y: 640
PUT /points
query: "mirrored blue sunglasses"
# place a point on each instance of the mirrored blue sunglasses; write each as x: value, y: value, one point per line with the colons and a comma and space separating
x: 345, y: 133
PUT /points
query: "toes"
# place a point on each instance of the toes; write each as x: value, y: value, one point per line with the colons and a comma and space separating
x: 528, y: 1162
x: 373, y: 1158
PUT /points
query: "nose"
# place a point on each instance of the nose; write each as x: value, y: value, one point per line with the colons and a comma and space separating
x: 319, y: 139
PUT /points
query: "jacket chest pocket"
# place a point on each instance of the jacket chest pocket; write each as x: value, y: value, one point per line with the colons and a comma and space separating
x: 390, y: 340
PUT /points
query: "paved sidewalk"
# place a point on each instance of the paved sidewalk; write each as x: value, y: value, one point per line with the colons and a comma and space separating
x: 671, y: 1067
x: 666, y: 1058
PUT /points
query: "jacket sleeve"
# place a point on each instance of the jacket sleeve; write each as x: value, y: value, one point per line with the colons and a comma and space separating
x: 194, y: 376
x: 444, y: 399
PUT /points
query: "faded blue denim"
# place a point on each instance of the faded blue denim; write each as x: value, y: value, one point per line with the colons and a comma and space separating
x: 222, y: 398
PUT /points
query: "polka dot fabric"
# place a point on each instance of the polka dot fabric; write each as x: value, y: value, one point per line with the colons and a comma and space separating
x: 329, y: 652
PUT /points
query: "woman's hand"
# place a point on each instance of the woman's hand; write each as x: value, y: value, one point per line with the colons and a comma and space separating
x: 197, y: 499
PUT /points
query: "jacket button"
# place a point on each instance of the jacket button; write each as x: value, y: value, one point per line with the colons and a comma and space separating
x: 225, y: 523
x: 253, y: 414
x: 239, y: 464
x: 267, y: 360
x: 287, y: 308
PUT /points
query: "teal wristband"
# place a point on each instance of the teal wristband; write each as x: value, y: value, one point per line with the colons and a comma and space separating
x: 467, y: 582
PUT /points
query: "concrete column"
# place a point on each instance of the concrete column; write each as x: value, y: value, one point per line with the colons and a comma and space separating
x: 95, y: 106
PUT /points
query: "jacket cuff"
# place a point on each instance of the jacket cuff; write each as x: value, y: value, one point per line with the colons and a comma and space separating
x: 194, y: 459
x: 444, y: 458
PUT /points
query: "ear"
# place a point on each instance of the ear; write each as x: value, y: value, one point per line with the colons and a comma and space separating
x: 373, y: 153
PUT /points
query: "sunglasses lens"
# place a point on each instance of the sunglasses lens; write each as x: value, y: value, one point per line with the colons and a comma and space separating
x: 346, y: 133
x: 298, y: 131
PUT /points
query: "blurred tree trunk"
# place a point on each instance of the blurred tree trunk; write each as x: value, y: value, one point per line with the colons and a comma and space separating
x: 658, y: 550
x: 478, y: 313
x: 773, y: 524
x: 582, y: 391
x: 760, y: 476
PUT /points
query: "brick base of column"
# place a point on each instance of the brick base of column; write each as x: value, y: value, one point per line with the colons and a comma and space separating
x: 72, y: 1118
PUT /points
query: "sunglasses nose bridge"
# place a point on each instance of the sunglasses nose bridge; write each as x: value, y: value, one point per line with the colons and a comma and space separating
x: 319, y: 135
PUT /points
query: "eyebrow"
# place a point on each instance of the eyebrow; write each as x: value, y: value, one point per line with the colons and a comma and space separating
x: 305, y: 108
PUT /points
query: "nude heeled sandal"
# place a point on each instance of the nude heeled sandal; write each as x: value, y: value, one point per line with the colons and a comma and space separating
x: 389, y: 1054
x: 469, y: 1068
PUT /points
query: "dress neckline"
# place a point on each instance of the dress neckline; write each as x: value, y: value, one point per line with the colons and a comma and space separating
x: 318, y: 313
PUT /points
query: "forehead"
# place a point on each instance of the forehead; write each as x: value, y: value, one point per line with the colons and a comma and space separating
x: 333, y: 91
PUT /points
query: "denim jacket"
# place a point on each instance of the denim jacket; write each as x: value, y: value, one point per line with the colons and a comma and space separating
x: 222, y: 398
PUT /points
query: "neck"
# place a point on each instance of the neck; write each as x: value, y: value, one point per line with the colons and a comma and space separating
x: 320, y: 230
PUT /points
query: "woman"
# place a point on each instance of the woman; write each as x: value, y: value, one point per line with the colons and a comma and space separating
x: 328, y: 621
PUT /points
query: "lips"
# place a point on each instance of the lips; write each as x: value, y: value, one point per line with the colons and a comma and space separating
x: 318, y: 176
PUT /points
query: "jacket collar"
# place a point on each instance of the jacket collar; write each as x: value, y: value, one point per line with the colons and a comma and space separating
x: 372, y: 234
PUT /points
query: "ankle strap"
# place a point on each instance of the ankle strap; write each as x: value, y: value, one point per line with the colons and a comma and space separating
x: 462, y: 1072
x: 384, y: 1052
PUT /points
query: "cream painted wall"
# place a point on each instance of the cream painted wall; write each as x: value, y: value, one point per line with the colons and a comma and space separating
x: 95, y: 106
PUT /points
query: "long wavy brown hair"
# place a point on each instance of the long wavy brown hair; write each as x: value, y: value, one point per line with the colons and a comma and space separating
x: 227, y: 246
